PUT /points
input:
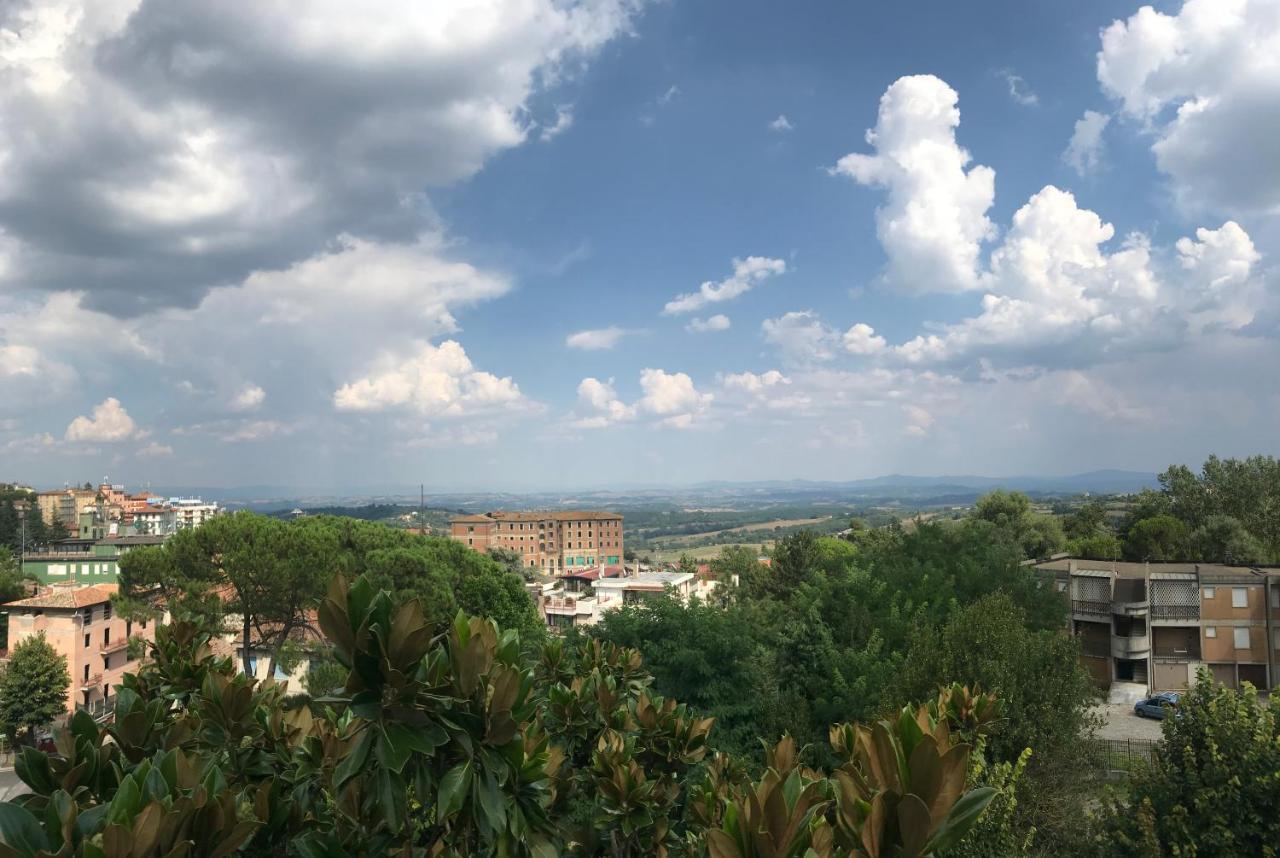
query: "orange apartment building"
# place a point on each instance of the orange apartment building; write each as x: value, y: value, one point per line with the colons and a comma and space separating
x: 1158, y: 623
x: 78, y: 621
x: 553, y: 542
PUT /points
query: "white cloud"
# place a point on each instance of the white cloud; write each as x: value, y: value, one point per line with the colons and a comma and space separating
x: 564, y: 121
x: 156, y: 450
x: 801, y: 336
x: 919, y: 421
x: 718, y: 322
x: 597, y: 339
x: 862, y: 339
x: 753, y: 383
x: 110, y: 422
x: 672, y: 93
x: 1084, y: 152
x: 670, y: 398
x: 935, y: 222
x: 240, y: 430
x: 781, y: 124
x: 746, y: 274
x: 248, y: 398
x: 602, y: 401
x: 1019, y: 90
x: 1205, y: 81
x: 137, y: 158
x: 437, y: 381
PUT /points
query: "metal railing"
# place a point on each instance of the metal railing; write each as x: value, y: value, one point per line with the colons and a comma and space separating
x: 1124, y: 756
x: 1095, y: 648
x: 99, y: 709
x: 1088, y: 606
x: 1175, y: 612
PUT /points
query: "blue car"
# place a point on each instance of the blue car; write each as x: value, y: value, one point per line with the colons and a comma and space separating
x: 1158, y: 705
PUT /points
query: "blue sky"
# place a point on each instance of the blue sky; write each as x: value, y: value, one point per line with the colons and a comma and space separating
x: 372, y: 249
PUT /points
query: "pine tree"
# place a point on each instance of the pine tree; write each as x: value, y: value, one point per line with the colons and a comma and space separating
x: 33, y: 689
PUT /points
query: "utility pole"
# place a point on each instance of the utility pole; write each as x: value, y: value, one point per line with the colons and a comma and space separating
x: 22, y: 540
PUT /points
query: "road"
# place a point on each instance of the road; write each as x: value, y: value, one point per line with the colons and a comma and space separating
x: 10, y: 785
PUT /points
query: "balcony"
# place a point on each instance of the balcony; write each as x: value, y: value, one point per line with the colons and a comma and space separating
x: 114, y: 647
x: 1136, y: 646
x: 1093, y: 647
x: 93, y: 680
x: 1090, y: 608
x: 100, y: 709
x: 1175, y: 613
x: 1131, y: 609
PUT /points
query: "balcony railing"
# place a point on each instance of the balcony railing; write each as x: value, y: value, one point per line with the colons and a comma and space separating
x: 1085, y: 606
x: 92, y: 680
x: 99, y: 709
x: 1094, y: 648
x: 1175, y: 612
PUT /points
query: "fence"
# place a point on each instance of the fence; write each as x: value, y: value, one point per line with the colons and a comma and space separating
x: 1123, y: 756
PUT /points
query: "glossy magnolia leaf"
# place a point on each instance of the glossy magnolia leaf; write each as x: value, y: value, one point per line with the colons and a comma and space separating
x: 20, y: 830
x: 964, y: 815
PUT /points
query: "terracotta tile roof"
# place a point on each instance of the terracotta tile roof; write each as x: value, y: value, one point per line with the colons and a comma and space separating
x: 541, y: 515
x: 67, y: 597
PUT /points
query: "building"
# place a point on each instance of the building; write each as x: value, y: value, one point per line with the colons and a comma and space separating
x: 79, y: 623
x: 552, y: 542
x: 83, y: 560
x: 1156, y: 624
x: 584, y: 598
x: 192, y: 512
x: 65, y: 505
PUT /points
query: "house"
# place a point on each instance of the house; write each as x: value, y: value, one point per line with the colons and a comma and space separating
x: 78, y: 621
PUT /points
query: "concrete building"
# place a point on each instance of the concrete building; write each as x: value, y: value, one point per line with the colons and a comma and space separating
x: 192, y: 512
x: 1156, y: 624
x: 584, y: 599
x: 65, y: 505
x: 79, y: 623
x: 83, y: 561
x: 556, y: 543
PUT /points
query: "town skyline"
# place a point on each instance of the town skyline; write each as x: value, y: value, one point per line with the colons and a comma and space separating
x: 658, y: 242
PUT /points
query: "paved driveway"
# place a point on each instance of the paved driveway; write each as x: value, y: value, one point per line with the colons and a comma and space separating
x: 1121, y: 723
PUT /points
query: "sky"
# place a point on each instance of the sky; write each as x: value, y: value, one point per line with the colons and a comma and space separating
x: 516, y: 244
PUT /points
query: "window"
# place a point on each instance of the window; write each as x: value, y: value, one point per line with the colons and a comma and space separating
x: 1275, y: 597
x: 86, y: 673
x: 1239, y: 597
x: 106, y: 637
x: 1210, y: 592
x: 106, y: 611
x: 88, y: 616
x: 128, y: 628
x: 1242, y: 637
x: 86, y: 639
x: 1211, y: 631
x: 1062, y: 586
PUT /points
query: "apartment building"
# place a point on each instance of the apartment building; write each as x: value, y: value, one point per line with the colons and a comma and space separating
x: 556, y: 543
x: 1157, y: 624
x: 585, y: 598
x: 78, y: 621
x: 83, y: 561
x: 65, y: 505
x: 192, y: 512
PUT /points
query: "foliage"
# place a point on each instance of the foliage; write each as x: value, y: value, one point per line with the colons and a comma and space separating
x: 1157, y: 539
x: 460, y: 744
x: 33, y: 687
x: 1000, y: 833
x: 11, y: 577
x: 1213, y: 787
x: 1100, y: 546
x: 1223, y: 539
x: 1011, y: 517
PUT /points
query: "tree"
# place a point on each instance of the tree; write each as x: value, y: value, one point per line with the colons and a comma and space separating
x: 1010, y: 515
x: 1159, y: 539
x: 1213, y: 783
x: 57, y: 531
x: 1223, y: 539
x: 33, y: 687
x: 1100, y: 546
x: 1087, y: 520
x: 12, y: 577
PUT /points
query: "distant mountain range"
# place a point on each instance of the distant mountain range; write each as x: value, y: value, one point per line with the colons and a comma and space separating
x: 889, y: 487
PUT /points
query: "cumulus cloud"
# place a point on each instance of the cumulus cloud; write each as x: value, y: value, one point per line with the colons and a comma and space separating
x: 1084, y: 152
x: 753, y: 383
x: 781, y: 124
x: 248, y: 398
x: 1205, y: 81
x: 862, y: 339
x: 159, y: 149
x: 801, y: 336
x: 437, y: 381
x: 718, y: 322
x: 747, y: 273
x: 670, y: 398
x: 934, y: 223
x: 603, y: 404
x: 110, y: 422
x: 597, y: 339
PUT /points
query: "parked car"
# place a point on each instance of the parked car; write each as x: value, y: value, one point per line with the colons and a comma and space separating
x: 1157, y: 705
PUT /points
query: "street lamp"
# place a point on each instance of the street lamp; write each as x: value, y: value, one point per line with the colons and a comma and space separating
x: 22, y: 544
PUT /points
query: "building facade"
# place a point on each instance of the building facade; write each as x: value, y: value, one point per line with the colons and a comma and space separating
x: 79, y: 623
x: 83, y: 561
x: 555, y: 543
x: 1157, y: 624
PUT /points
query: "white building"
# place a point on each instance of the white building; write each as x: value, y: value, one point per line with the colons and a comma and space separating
x: 192, y: 512
x: 580, y: 605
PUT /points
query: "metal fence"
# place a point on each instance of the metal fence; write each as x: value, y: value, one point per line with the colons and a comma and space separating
x: 1123, y: 756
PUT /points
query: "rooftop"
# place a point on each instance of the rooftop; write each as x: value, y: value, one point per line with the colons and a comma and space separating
x: 539, y: 515
x: 67, y: 596
x: 1125, y: 569
x: 648, y: 581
